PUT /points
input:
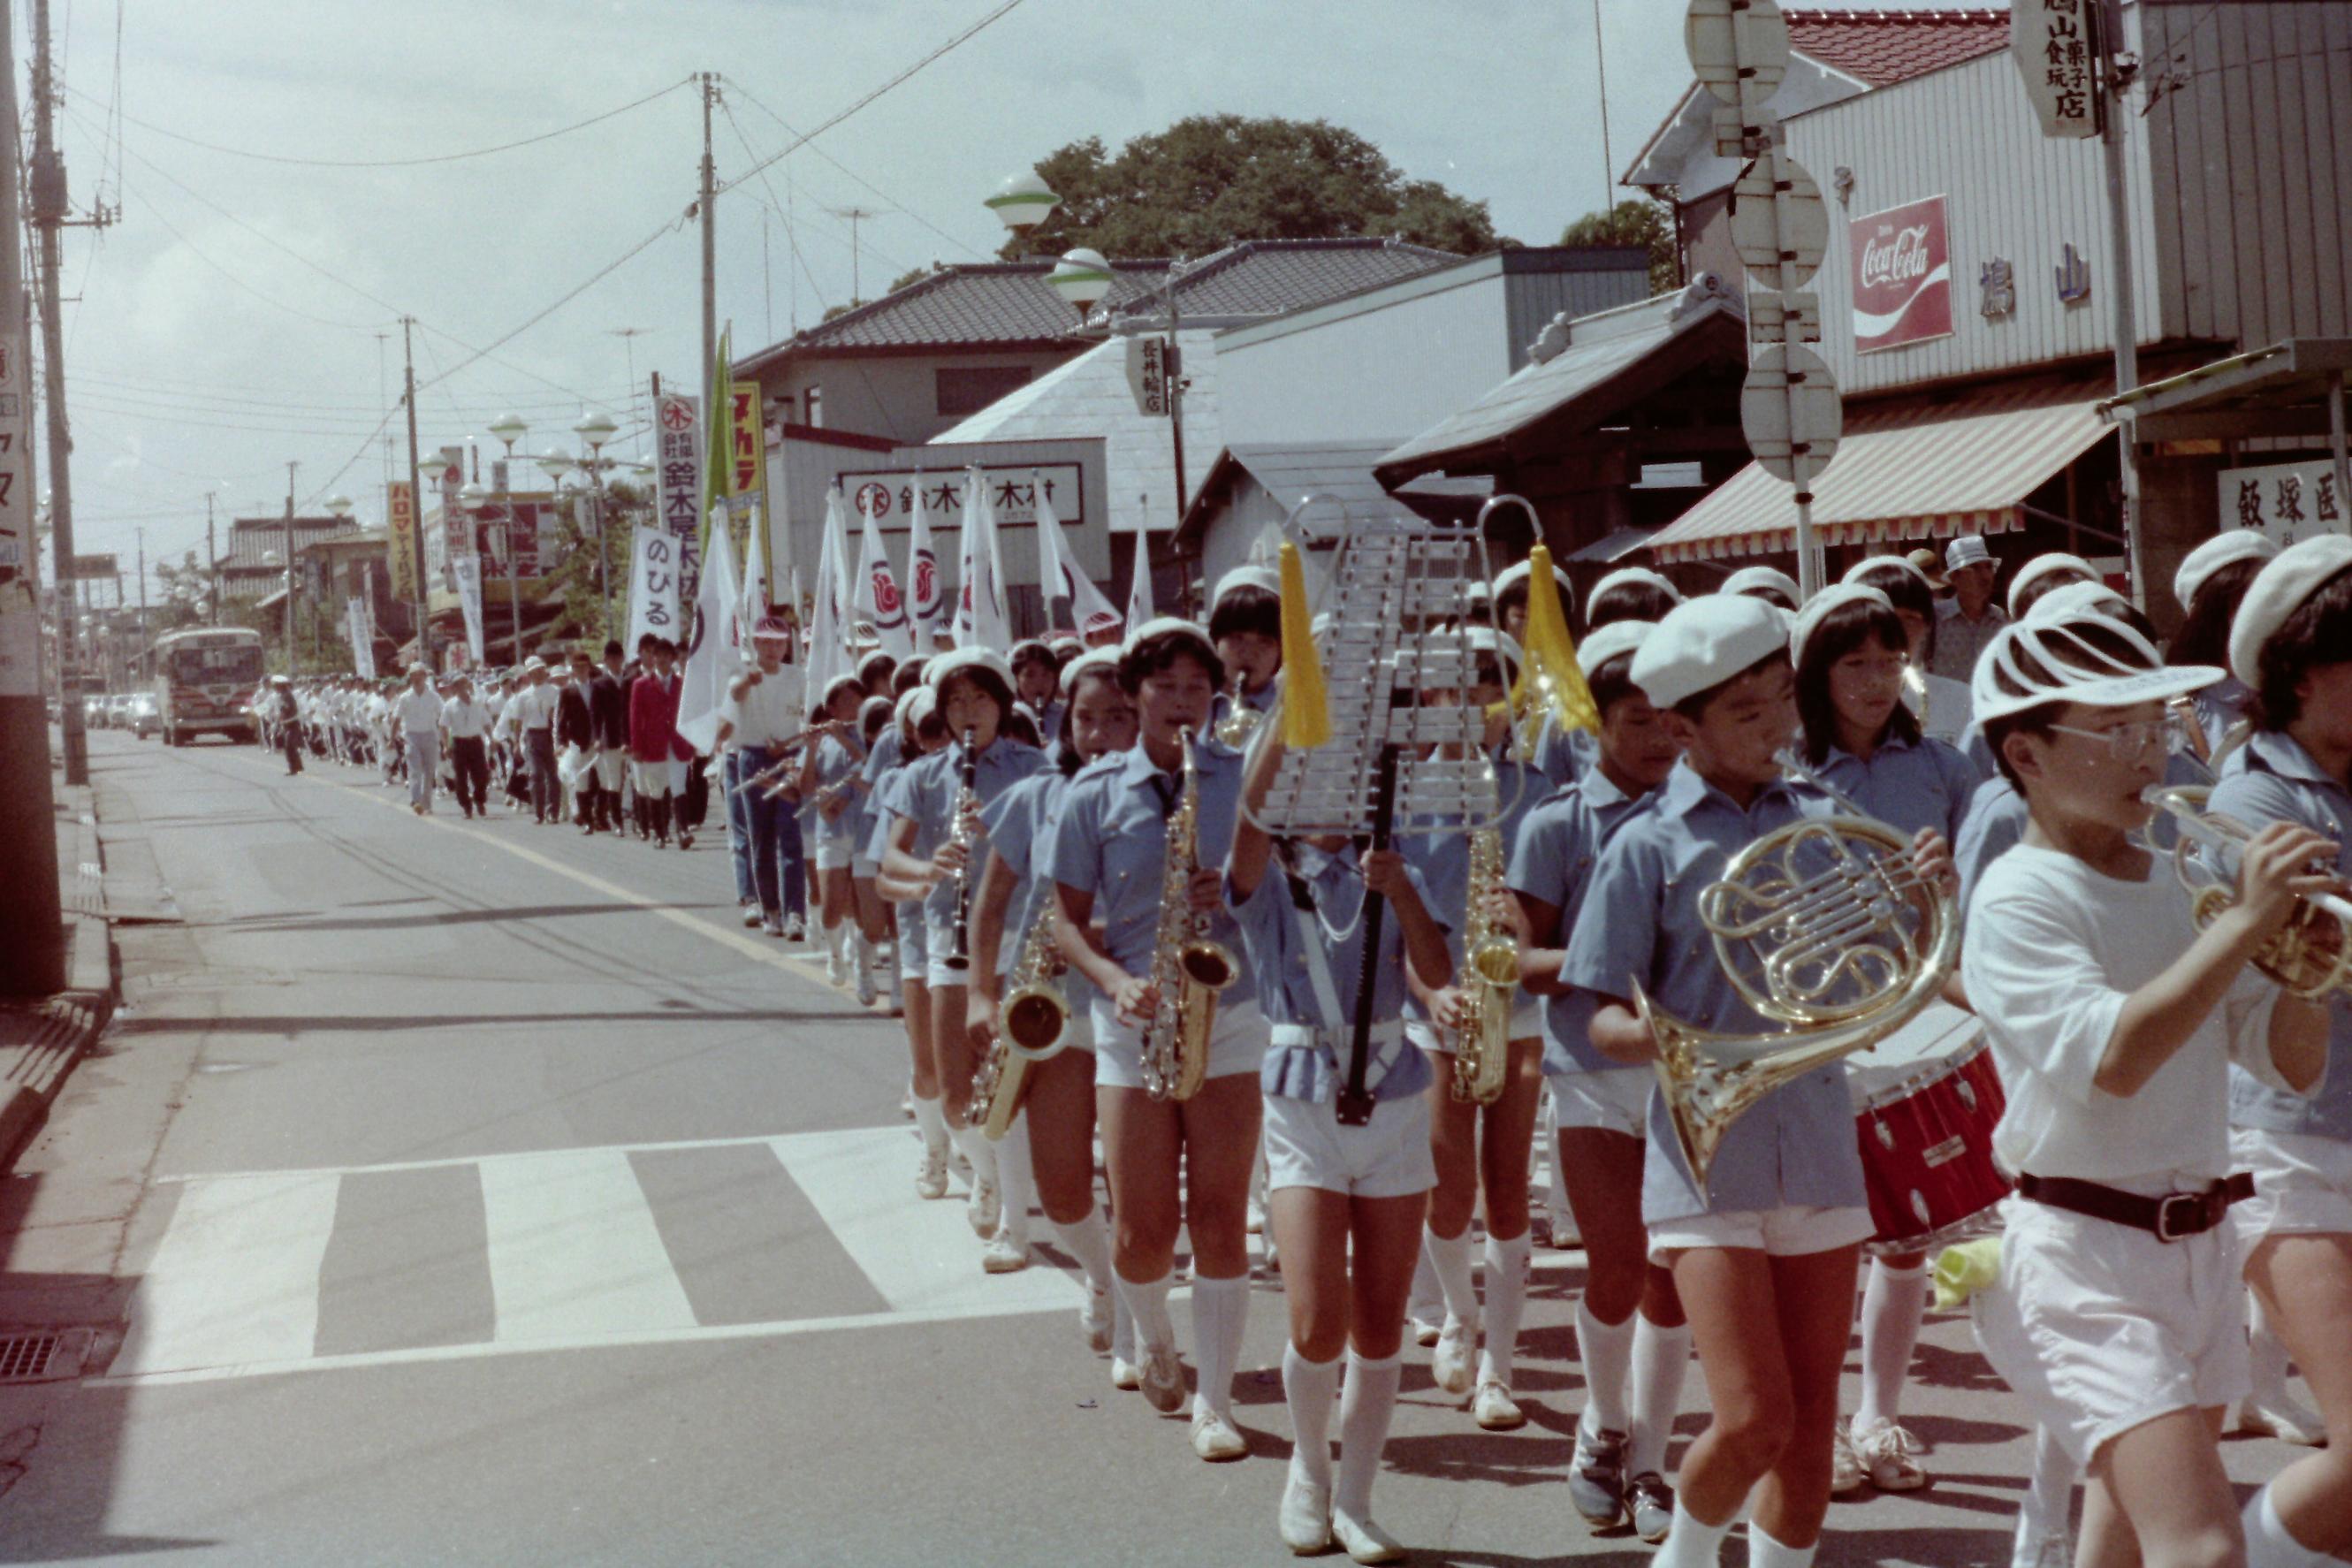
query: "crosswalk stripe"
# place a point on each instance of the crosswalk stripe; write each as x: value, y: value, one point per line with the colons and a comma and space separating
x: 575, y: 1251
x: 235, y: 1277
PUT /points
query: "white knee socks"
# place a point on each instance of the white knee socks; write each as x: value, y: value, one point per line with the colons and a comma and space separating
x: 1763, y: 1552
x: 1892, y: 1305
x: 1507, y: 1300
x: 1450, y: 1257
x: 1366, y: 1405
x: 1089, y: 1241
x: 1427, y: 1303
x: 1019, y: 1178
x: 2268, y: 1544
x: 980, y: 1151
x: 2049, y: 1490
x: 1220, y: 1315
x: 933, y: 1122
x: 1661, y: 1359
x: 1307, y: 1388
x: 1607, y: 1352
x: 1148, y: 1303
x: 1694, y: 1545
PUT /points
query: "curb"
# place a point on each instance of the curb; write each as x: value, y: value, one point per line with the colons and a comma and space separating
x: 41, y: 1041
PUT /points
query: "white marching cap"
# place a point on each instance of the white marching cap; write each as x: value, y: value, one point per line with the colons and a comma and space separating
x: 2197, y: 568
x: 1704, y: 642
x: 2041, y: 566
x: 1822, y: 604
x: 1615, y: 639
x: 1160, y: 625
x: 1067, y: 648
x: 1510, y: 577
x: 1487, y: 639
x: 1748, y: 579
x: 1245, y: 577
x: 1900, y: 562
x: 936, y: 673
x: 915, y: 705
x: 2073, y: 598
x: 1967, y: 550
x: 2030, y: 662
x: 837, y: 682
x: 2279, y: 590
x: 533, y: 662
x: 1634, y: 574
x: 1103, y: 659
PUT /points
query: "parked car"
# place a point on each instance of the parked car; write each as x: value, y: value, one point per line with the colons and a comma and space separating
x: 146, y: 714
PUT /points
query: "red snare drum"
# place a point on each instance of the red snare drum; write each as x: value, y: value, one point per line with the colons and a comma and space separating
x: 1926, y: 1103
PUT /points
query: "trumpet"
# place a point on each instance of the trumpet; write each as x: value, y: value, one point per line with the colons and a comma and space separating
x: 1241, y: 720
x: 2311, y: 957
x: 1822, y: 928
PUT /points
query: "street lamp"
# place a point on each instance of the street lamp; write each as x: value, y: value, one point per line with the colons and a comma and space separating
x: 509, y: 428
x: 1023, y: 202
x: 595, y: 427
x: 1081, y: 276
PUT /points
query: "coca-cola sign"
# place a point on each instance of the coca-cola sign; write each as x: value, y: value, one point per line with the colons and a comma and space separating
x: 1901, y: 270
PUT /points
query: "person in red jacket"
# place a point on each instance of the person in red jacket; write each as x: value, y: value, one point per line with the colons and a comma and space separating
x: 657, y: 756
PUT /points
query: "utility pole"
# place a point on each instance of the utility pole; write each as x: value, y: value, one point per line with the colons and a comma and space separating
x: 707, y: 207
x: 211, y: 561
x: 32, y: 919
x: 291, y: 668
x: 416, y: 494
x: 47, y: 188
x: 142, y: 532
x: 2117, y: 69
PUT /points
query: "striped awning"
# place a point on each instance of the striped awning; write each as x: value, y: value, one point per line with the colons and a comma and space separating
x: 1919, y: 472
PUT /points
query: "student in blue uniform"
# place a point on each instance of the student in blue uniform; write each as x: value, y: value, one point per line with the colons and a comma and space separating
x: 1863, y: 741
x: 1057, y: 1116
x: 2291, y: 648
x: 1480, y: 1151
x: 973, y: 693
x: 1036, y: 680
x: 1630, y: 1334
x: 1346, y: 1200
x: 1764, y: 1257
x: 2209, y: 586
x: 918, y: 732
x: 829, y: 766
x: 1245, y: 623
x: 1109, y: 865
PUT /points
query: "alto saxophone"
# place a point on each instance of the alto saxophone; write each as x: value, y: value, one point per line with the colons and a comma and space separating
x: 1032, y: 1026
x: 1188, y: 966
x: 1490, y: 974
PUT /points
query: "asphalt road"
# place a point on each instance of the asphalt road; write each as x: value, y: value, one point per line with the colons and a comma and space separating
x: 476, y: 1193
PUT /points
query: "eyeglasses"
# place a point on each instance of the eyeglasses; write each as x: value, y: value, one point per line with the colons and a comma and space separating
x: 2130, y: 742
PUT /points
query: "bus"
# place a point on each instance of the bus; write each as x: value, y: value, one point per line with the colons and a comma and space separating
x: 204, y: 678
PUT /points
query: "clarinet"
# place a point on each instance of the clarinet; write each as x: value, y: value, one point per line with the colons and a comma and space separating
x: 959, y: 958
x: 1354, y: 1107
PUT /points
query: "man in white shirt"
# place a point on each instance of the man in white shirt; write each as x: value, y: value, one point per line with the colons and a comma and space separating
x: 535, y: 706
x: 766, y: 707
x: 418, y: 715
x: 466, y: 725
x: 1967, y: 621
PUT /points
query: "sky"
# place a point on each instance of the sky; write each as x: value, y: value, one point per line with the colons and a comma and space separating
x: 243, y: 313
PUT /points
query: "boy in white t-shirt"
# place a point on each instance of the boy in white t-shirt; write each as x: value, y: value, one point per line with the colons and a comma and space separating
x: 2115, y: 1021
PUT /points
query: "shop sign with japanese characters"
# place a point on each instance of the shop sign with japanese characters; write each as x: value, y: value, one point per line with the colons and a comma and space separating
x: 678, y: 463
x: 2289, y: 501
x: 888, y: 495
x: 2051, y: 40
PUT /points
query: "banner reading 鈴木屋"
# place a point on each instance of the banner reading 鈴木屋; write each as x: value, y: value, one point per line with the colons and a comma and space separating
x: 1900, y: 268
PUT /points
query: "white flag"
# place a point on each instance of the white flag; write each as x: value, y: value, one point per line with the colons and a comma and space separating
x: 927, y: 605
x: 1139, y: 586
x: 714, y: 656
x: 876, y: 594
x: 754, y: 606
x: 1058, y: 570
x: 980, y: 619
x: 467, y: 568
x: 828, y: 653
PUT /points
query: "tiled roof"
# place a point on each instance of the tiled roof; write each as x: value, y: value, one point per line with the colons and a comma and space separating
x: 1882, y: 47
x: 1003, y: 304
x: 251, y: 538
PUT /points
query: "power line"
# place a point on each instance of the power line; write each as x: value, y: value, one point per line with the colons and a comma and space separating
x: 852, y: 173
x: 392, y: 162
x: 197, y: 251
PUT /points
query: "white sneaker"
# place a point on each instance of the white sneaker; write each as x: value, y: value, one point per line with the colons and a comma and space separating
x: 2281, y: 1417
x: 1306, y: 1519
x: 1256, y: 1222
x: 931, y: 1176
x: 1365, y: 1541
x: 958, y: 1166
x: 1213, y: 1437
x: 984, y: 1209
x: 1004, y: 1254
x: 1163, y: 1379
x: 1094, y: 1319
x: 1424, y: 1331
x: 837, y: 974
x: 1449, y: 1364
x: 1885, y: 1451
x: 752, y: 913
x: 1494, y: 1410
x: 1124, y: 1376
x: 796, y: 930
x: 773, y: 928
x: 1846, y: 1465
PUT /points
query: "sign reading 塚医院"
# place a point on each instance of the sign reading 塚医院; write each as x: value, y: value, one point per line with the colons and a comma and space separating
x: 2289, y: 501
x: 888, y: 495
x: 1900, y: 268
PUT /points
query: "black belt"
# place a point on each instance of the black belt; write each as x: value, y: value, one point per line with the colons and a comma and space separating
x: 2168, y: 1217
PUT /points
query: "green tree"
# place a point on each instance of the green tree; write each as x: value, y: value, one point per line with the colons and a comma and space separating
x: 1635, y: 221
x: 1211, y: 180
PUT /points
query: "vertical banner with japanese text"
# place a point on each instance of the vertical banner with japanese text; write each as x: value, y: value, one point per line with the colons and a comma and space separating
x: 747, y: 486
x: 677, y: 487
x: 653, y: 583
x: 468, y: 570
x: 400, y: 510
x: 361, y: 631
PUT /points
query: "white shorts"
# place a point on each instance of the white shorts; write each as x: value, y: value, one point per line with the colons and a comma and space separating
x: 1615, y: 1099
x: 2112, y: 1328
x: 1237, y: 1045
x: 2303, y: 1184
x: 832, y: 857
x: 610, y: 765
x: 862, y: 869
x: 914, y: 946
x: 652, y: 779
x: 1386, y: 1157
x: 1793, y: 1230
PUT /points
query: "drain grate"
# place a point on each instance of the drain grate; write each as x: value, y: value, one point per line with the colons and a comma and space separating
x: 24, y: 1358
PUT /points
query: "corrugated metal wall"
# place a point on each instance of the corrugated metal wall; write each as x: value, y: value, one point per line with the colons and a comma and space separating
x: 1533, y: 298
x: 2251, y: 139
x: 1970, y: 135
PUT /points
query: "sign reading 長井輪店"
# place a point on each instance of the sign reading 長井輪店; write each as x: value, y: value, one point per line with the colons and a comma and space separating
x: 2051, y: 40
x: 1900, y: 268
x: 2289, y: 501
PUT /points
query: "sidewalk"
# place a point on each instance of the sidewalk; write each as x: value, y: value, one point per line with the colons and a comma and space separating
x: 41, y: 1040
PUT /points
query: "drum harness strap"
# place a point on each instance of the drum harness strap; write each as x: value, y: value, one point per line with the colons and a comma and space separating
x: 2168, y: 1217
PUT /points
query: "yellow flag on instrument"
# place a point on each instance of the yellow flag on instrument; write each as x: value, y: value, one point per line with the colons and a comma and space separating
x: 1550, y: 680
x: 1305, y: 705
